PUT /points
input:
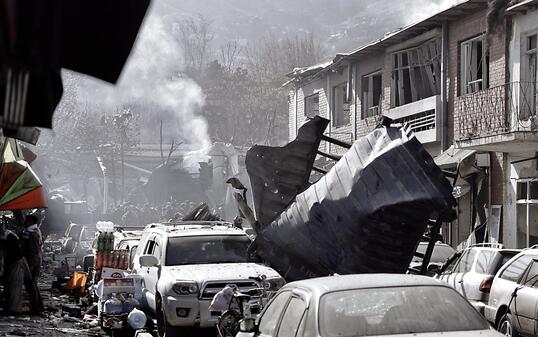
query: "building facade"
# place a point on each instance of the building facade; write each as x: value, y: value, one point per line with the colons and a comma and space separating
x: 470, y: 99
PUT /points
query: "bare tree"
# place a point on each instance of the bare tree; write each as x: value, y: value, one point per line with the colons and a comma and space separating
x: 195, y: 37
x: 229, y: 55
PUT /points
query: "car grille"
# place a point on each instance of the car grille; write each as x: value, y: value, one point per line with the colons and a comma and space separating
x: 211, y: 288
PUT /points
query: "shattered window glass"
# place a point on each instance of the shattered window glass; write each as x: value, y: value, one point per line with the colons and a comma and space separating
x: 396, y: 310
x: 517, y: 268
x: 207, y: 249
x: 484, y: 260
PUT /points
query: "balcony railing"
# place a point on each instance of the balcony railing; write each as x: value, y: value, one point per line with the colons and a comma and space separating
x: 502, y: 109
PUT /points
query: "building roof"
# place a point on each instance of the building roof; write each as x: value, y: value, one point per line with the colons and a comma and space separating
x: 522, y: 6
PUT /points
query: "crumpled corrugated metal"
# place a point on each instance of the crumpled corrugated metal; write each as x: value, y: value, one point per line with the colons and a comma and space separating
x: 366, y: 215
x: 278, y: 174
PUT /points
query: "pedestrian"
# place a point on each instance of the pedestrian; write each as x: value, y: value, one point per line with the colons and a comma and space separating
x: 16, y: 275
x: 32, y: 245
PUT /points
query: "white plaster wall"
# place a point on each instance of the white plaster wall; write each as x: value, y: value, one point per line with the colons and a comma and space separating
x: 516, y: 171
x: 523, y: 25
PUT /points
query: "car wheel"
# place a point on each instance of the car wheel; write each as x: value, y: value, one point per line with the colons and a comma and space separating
x: 164, y: 329
x: 506, y: 327
x: 228, y: 324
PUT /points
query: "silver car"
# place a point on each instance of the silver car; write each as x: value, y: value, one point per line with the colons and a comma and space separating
x: 472, y: 273
x: 440, y: 254
x: 367, y: 305
x: 513, y: 300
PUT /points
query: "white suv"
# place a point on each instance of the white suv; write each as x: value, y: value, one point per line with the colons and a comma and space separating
x: 186, y: 263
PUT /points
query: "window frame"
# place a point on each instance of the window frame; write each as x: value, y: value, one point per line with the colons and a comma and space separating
x: 527, y: 202
x: 283, y: 316
x: 465, y: 63
x: 340, y: 118
x: 527, y: 77
x: 366, y: 102
x: 306, y: 105
x: 259, y: 320
x: 424, y: 72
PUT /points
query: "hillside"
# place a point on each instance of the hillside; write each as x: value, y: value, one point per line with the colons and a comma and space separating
x: 342, y: 25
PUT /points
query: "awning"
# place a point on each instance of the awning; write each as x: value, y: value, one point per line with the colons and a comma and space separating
x: 452, y: 157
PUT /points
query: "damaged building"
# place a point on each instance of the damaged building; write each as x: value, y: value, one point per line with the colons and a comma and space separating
x: 469, y: 97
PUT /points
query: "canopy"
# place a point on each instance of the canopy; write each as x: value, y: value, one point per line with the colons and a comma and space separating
x: 452, y: 157
x: 20, y: 188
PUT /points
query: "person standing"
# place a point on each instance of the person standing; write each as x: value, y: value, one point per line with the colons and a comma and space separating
x: 17, y: 275
x: 32, y: 247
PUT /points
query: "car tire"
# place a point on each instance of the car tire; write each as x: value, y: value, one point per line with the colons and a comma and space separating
x: 164, y: 329
x: 506, y: 327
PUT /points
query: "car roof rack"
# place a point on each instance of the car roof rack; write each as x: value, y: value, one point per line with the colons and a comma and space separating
x: 487, y: 245
x: 177, y: 225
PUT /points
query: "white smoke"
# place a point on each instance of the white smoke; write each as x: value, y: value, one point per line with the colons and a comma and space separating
x: 152, y: 80
x: 420, y: 10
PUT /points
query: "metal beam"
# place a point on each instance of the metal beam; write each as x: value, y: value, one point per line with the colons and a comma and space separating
x: 330, y: 156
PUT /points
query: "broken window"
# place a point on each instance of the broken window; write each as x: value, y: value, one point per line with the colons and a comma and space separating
x: 340, y: 105
x: 474, y: 65
x: 311, y: 106
x: 527, y: 212
x: 528, y: 99
x: 416, y: 73
x: 371, y: 95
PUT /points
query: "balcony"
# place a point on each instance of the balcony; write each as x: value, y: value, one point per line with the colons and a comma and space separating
x: 498, y: 119
x: 422, y: 117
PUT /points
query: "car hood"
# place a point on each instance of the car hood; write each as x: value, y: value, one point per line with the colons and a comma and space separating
x: 475, y: 333
x: 220, y: 271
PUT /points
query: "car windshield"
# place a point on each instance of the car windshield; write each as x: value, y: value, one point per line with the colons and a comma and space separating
x: 396, y: 310
x: 207, y: 249
x: 440, y: 253
x: 88, y: 234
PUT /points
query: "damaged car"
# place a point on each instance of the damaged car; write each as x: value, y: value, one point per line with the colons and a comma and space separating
x: 184, y: 264
x: 367, y: 305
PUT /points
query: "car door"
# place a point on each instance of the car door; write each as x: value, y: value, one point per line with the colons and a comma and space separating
x: 473, y: 278
x: 150, y: 274
x: 270, y: 318
x: 448, y: 272
x: 508, y: 279
x: 464, y: 266
x: 153, y: 273
x: 291, y: 323
x: 526, y: 301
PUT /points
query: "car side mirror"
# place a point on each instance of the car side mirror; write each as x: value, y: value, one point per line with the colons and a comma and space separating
x: 247, y: 325
x: 148, y: 261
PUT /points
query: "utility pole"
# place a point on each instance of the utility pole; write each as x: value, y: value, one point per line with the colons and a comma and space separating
x: 122, y: 171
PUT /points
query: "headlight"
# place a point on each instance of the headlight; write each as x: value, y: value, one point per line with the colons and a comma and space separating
x: 185, y: 288
x: 274, y: 284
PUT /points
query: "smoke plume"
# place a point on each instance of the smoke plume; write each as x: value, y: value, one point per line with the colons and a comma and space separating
x: 152, y: 81
x: 420, y: 10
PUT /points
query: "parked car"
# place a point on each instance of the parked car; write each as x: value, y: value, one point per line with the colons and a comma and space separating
x: 471, y: 272
x: 127, y: 240
x: 367, y: 305
x: 441, y: 253
x: 513, y: 300
x: 185, y: 264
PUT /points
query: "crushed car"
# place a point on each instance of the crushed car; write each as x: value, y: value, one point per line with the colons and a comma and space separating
x: 185, y: 264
